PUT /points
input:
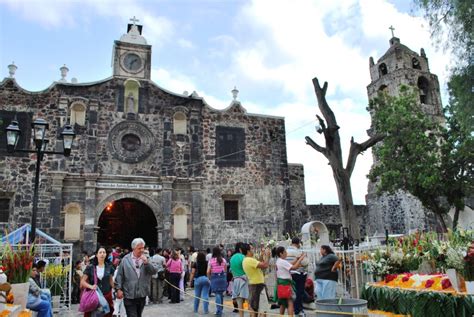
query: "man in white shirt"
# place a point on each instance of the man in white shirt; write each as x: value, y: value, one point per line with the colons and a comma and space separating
x: 299, y: 275
x: 158, y: 280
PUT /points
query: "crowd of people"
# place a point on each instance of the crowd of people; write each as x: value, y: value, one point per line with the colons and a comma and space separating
x: 129, y: 280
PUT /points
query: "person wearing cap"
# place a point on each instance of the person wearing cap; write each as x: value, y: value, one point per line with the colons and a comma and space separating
x: 298, y: 275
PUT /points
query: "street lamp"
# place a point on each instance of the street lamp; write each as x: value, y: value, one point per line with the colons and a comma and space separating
x: 39, y: 126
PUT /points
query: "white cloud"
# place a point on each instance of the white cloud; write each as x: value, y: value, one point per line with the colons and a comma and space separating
x: 172, y: 81
x: 185, y: 44
x: 47, y: 13
x: 176, y: 82
x: 56, y: 13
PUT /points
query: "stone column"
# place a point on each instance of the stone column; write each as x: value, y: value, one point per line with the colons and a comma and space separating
x: 167, y: 199
x: 90, y: 236
x: 56, y: 203
x: 196, y: 213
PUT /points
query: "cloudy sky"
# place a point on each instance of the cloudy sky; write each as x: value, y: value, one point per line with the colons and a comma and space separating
x: 269, y: 49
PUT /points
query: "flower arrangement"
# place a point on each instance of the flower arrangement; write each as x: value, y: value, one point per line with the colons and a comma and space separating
x: 56, y: 277
x: 18, y: 262
x: 378, y: 264
x: 436, y: 282
x: 426, y: 252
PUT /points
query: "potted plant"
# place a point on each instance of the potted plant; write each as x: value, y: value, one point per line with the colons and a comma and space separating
x: 18, y: 263
x: 469, y: 269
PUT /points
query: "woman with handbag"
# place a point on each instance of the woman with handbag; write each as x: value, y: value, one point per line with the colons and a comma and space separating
x: 216, y: 272
x: 100, y: 272
x: 285, y: 288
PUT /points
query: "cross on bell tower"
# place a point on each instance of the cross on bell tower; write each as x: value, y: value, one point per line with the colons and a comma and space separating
x: 134, y: 20
x: 391, y: 28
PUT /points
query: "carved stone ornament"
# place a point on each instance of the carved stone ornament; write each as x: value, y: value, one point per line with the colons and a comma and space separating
x: 130, y: 142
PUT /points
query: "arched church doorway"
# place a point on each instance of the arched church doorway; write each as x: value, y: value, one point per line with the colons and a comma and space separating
x: 125, y: 219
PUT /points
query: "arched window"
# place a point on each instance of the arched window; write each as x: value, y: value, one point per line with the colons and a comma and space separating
x: 382, y: 69
x: 179, y: 123
x: 383, y: 89
x: 72, y: 222
x: 180, y: 224
x: 415, y: 63
x: 424, y: 88
x: 131, y: 95
x: 78, y: 114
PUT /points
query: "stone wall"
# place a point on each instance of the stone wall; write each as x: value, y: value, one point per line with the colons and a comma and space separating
x: 261, y: 186
x: 299, y: 210
x: 331, y: 217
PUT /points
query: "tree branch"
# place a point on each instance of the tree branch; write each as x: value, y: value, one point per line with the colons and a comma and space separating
x: 357, y: 148
x: 321, y: 123
x: 315, y: 146
x: 323, y: 105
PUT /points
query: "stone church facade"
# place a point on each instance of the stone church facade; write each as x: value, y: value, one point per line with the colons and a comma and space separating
x: 145, y: 162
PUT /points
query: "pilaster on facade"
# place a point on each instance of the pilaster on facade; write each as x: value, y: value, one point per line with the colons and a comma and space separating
x: 57, y: 178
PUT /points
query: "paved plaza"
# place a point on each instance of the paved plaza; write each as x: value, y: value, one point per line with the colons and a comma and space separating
x: 184, y: 309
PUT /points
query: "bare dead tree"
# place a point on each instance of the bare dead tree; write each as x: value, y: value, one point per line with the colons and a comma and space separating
x: 333, y: 153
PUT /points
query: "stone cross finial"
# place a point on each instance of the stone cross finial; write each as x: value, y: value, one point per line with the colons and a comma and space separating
x: 12, y: 69
x: 134, y: 20
x: 391, y: 28
x: 64, y: 70
x: 235, y: 93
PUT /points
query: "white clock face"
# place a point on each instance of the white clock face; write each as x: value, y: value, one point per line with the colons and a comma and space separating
x: 132, y: 62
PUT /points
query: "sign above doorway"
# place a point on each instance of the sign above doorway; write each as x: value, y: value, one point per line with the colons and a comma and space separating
x: 105, y: 185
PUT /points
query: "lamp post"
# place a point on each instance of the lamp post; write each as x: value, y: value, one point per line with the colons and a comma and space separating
x: 39, y: 126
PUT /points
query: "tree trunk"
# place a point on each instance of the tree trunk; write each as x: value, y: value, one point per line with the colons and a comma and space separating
x: 346, y: 204
x: 332, y: 151
x: 456, y: 218
x: 442, y: 222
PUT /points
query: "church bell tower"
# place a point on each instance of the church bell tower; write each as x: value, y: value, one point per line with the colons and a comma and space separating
x: 132, y: 54
x: 402, y: 212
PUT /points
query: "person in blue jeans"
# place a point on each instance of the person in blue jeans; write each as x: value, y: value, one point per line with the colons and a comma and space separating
x: 298, y: 275
x: 217, y: 273
x: 201, y: 282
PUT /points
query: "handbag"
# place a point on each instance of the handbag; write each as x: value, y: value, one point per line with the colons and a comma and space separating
x: 103, y: 308
x: 89, y: 299
x: 284, y: 291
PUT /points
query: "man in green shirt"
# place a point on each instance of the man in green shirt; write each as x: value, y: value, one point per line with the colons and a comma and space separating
x: 240, y: 289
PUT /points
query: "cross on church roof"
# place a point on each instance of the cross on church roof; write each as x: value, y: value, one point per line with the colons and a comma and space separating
x: 391, y: 28
x: 134, y: 20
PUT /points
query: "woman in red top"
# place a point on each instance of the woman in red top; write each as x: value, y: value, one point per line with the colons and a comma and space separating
x: 175, y: 269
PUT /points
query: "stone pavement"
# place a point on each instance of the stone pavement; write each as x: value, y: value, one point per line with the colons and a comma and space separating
x: 184, y: 309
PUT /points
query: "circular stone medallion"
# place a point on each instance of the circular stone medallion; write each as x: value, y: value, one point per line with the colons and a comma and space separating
x: 130, y: 142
